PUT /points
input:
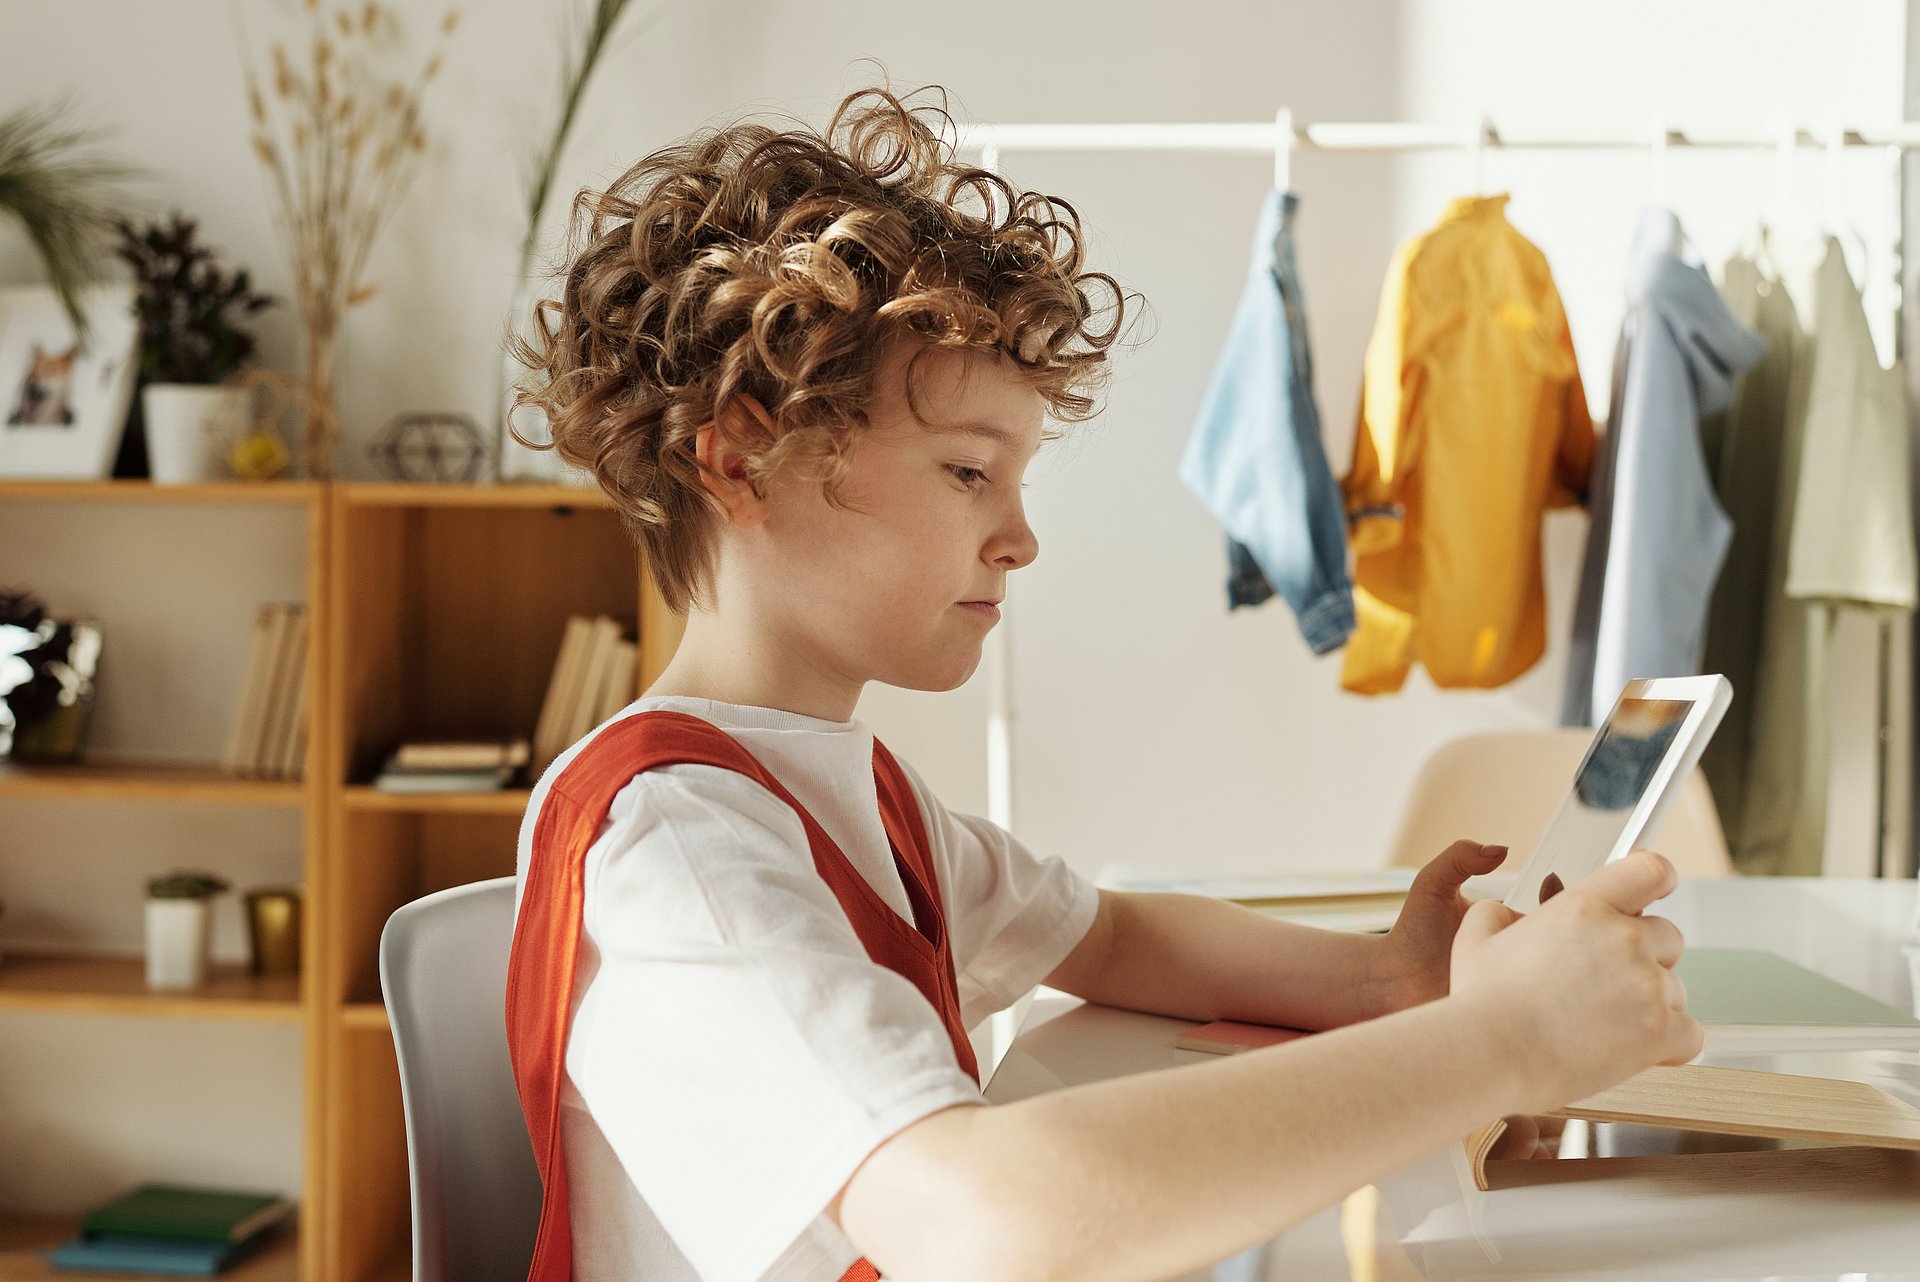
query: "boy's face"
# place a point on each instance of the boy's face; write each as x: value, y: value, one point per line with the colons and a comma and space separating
x: 902, y: 585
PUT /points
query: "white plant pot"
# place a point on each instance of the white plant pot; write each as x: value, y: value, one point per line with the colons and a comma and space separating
x: 179, y: 936
x: 186, y: 424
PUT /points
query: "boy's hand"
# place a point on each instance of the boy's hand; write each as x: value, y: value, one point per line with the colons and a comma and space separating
x: 1582, y: 989
x: 1419, y: 948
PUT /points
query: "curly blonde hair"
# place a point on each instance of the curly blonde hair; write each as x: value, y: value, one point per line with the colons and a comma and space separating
x: 778, y: 265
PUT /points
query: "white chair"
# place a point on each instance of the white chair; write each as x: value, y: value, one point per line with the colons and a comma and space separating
x: 475, y: 1188
x: 1501, y: 788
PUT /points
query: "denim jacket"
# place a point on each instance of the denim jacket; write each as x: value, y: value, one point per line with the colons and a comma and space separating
x: 1255, y: 457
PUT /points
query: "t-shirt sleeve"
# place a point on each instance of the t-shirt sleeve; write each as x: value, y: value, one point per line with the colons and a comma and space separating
x: 734, y: 1043
x: 1012, y: 917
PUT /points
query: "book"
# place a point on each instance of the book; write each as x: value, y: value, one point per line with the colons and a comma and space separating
x: 1230, y: 1037
x: 415, y: 781
x: 293, y: 760
x: 183, y: 1211
x: 278, y: 638
x: 292, y: 683
x: 1352, y: 919
x: 460, y: 754
x: 546, y: 734
x: 1820, y: 1111
x: 1746, y: 995
x: 617, y: 692
x: 141, y: 1253
x: 1370, y: 887
x: 584, y: 700
x: 251, y: 684
x: 1366, y: 901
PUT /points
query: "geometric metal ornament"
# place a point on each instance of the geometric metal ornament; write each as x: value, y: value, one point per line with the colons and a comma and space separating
x: 430, y: 448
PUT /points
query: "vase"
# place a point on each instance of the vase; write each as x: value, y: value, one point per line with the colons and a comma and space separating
x: 515, y: 463
x: 320, y: 436
x: 186, y: 425
x: 179, y: 935
x: 273, y: 931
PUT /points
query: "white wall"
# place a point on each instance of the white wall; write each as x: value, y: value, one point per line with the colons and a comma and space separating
x: 1127, y: 667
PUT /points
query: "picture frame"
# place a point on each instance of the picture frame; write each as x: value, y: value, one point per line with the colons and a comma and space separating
x: 64, y: 403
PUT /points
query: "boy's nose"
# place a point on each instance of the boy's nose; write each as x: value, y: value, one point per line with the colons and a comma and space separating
x: 1017, y: 545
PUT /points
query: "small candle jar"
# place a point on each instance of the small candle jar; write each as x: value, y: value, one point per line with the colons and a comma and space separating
x: 273, y: 931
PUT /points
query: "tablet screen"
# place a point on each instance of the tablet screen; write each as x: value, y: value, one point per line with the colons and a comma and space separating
x: 1608, y: 787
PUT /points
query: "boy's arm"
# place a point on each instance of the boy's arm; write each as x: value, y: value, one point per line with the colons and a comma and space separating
x: 1152, y: 1175
x: 1206, y: 959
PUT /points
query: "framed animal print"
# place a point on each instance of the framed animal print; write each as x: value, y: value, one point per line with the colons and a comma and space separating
x: 63, y: 402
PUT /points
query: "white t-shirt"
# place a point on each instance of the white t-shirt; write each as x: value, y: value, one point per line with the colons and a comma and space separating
x: 734, y: 1054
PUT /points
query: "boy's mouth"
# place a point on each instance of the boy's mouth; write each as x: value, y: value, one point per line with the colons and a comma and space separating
x: 990, y: 609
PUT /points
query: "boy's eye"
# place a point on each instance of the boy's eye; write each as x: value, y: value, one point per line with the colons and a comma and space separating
x: 967, y: 476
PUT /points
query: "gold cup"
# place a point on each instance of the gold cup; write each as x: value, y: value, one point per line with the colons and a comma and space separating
x: 273, y: 930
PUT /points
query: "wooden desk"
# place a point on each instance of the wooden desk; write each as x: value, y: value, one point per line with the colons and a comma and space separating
x: 1816, y: 1221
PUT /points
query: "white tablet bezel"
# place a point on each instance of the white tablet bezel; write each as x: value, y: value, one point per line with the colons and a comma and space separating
x: 1709, y: 696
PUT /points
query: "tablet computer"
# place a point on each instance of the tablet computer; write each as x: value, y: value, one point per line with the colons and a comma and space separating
x: 1639, y: 757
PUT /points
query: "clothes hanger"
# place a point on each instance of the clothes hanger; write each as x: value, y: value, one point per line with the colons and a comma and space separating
x: 1283, y: 150
x: 1484, y: 136
x: 1843, y: 233
x: 1779, y: 199
x: 1659, y: 220
x: 1657, y: 165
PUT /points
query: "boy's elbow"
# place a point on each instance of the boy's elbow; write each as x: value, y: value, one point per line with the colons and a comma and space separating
x: 932, y: 1205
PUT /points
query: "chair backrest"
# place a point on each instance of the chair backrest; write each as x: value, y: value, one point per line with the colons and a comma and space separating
x: 476, y: 1190
x: 1502, y: 787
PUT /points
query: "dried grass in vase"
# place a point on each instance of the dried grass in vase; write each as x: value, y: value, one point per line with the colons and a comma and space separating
x: 339, y: 141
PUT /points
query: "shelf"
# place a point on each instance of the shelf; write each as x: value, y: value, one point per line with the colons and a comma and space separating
x: 507, y: 801
x: 365, y: 1015
x: 203, y: 785
x: 387, y: 494
x: 141, y: 491
x: 24, y: 1237
x: 398, y: 1268
x: 118, y: 986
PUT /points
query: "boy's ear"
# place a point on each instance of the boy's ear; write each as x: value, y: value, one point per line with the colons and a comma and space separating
x: 721, y: 447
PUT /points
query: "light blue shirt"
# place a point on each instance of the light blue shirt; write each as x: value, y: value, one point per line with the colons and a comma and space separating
x: 1654, y: 550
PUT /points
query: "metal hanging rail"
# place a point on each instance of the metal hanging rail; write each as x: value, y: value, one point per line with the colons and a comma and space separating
x: 1280, y: 139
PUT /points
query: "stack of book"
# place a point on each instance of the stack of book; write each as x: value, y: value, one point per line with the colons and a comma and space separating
x: 172, y: 1230
x: 458, y: 765
x: 1365, y: 901
x: 595, y: 675
x: 270, y: 728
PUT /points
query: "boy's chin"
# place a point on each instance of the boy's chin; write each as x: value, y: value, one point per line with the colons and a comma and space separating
x: 936, y: 677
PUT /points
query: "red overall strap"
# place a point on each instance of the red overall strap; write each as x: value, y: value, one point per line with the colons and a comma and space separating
x: 546, y: 935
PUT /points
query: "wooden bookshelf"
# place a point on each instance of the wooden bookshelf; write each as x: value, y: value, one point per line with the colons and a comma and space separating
x: 118, y: 986
x: 192, y: 784
x: 87, y: 985
x: 508, y: 801
x: 243, y: 492
x: 433, y: 611
x: 447, y: 611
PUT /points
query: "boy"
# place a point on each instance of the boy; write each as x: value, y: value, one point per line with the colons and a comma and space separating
x: 750, y: 942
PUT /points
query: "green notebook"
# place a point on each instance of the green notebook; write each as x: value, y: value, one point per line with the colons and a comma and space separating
x: 1745, y: 988
x: 199, y: 1214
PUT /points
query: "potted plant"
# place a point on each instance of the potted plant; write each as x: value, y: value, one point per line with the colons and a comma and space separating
x: 191, y: 340
x: 179, y: 928
x: 59, y: 193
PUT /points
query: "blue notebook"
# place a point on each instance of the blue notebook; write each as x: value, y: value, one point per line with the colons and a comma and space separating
x: 129, y: 1253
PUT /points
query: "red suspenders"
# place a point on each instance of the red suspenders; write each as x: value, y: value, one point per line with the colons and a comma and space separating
x: 546, y: 936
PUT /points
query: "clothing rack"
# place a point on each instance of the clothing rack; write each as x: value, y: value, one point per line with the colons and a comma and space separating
x: 1282, y: 138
